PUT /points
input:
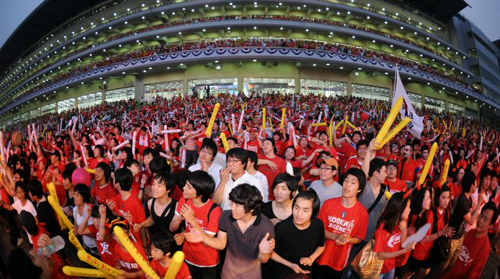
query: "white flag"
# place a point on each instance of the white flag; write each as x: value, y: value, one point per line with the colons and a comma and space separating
x: 416, y: 125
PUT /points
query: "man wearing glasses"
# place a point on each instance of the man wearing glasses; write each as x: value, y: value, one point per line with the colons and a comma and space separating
x: 327, y: 188
x: 235, y: 174
x: 207, y: 155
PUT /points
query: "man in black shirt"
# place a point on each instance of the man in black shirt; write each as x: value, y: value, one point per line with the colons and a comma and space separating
x: 300, y: 239
x: 45, y: 212
x: 462, y: 215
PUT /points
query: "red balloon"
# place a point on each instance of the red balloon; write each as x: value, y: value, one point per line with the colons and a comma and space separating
x: 365, y: 116
x: 81, y: 175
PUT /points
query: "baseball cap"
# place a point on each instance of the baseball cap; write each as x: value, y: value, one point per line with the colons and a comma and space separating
x: 392, y: 163
x: 329, y: 161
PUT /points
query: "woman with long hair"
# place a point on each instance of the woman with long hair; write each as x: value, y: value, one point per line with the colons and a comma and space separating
x: 391, y: 233
x: 420, y: 216
x: 284, y: 189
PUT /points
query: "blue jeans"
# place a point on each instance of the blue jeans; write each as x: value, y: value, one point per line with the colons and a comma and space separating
x: 388, y: 275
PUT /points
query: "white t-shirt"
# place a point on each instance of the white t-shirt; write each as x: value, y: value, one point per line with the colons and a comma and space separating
x: 88, y: 241
x: 245, y: 178
x: 214, y: 171
x: 28, y: 207
x: 263, y: 181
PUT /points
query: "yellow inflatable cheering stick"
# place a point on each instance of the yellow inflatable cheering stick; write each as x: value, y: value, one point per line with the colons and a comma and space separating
x: 428, y: 165
x: 85, y: 257
x: 212, y: 120
x: 59, y: 212
x: 52, y: 191
x: 132, y: 250
x: 445, y: 171
x: 264, y: 113
x: 383, y: 136
x: 175, y: 265
x: 283, y: 116
x: 84, y: 272
x: 224, y: 141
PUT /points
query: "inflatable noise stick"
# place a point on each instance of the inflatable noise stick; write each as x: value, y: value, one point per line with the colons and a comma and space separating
x: 394, y: 132
x: 283, y: 116
x: 352, y: 125
x: 53, y: 193
x: 390, y: 119
x: 233, y: 124
x: 170, y: 131
x: 428, y: 164
x: 210, y: 126
x: 59, y: 212
x: 85, y: 257
x: 338, y: 125
x: 445, y: 171
x: 318, y: 124
x: 121, y: 145
x: 175, y: 265
x: 388, y: 195
x: 224, y: 141
x: 330, y: 133
x: 91, y: 171
x: 129, y: 246
x: 74, y: 240
x: 84, y: 272
x: 264, y: 113
x: 134, y: 135
x: 345, y: 124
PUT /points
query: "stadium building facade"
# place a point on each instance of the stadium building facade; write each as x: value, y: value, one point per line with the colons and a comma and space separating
x: 76, y: 54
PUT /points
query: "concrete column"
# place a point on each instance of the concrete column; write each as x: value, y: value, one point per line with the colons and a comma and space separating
x: 349, y: 86
x: 139, y: 89
x: 422, y: 100
x: 76, y: 102
x: 297, y: 81
x: 391, y: 91
x: 185, y: 84
x: 240, y: 80
x: 446, y: 105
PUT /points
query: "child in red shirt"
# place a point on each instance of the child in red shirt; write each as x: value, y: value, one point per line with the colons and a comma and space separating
x: 162, y: 251
x: 124, y: 260
x: 101, y: 216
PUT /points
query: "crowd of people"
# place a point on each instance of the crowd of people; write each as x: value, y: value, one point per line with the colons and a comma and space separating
x: 167, y: 48
x: 282, y: 197
x: 149, y: 51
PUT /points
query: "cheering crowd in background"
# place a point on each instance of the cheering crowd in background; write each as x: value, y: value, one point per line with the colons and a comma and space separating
x: 284, y: 197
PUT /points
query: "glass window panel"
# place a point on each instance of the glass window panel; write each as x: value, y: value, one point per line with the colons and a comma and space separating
x: 120, y: 94
x: 370, y: 92
x: 436, y: 104
x: 268, y: 85
x: 166, y: 89
x: 214, y: 85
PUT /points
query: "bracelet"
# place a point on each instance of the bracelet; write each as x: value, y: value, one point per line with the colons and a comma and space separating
x: 142, y: 188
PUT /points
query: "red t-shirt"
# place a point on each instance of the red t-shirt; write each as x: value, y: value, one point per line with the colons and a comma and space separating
x: 125, y: 260
x: 348, y: 150
x: 397, y: 186
x: 103, y: 193
x: 352, y: 162
x: 408, y: 169
x: 5, y: 196
x: 270, y: 173
x: 341, y: 220
x: 388, y: 242
x: 253, y: 146
x: 199, y: 254
x: 161, y: 270
x: 105, y: 247
x: 423, y: 249
x: 131, y: 206
x: 93, y: 162
x: 472, y: 257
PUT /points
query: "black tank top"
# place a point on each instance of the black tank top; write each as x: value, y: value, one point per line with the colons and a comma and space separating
x: 162, y: 223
